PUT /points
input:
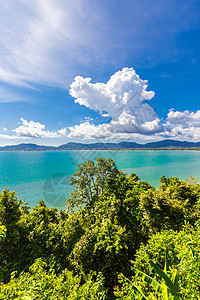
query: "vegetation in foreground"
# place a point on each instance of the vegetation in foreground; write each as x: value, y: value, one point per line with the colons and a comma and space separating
x: 128, y: 240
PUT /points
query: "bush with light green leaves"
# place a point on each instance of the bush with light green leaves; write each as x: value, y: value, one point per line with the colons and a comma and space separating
x: 41, y: 283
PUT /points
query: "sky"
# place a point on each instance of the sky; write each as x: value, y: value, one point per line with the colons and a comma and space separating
x: 99, y: 71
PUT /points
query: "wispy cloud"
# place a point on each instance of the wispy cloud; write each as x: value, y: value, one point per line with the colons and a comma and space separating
x: 9, y: 96
x: 46, y: 41
x: 49, y: 41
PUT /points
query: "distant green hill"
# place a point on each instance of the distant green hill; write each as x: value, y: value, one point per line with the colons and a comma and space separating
x: 103, y: 146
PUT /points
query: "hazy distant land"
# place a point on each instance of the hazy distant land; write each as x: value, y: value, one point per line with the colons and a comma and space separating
x: 165, y: 145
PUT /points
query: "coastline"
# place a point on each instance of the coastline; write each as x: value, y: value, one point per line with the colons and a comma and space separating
x: 103, y: 149
x: 28, y: 172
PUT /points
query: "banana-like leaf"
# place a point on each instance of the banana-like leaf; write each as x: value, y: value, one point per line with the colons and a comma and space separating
x: 166, y: 263
x: 173, y: 288
x: 151, y: 281
x: 135, y: 288
x: 165, y: 291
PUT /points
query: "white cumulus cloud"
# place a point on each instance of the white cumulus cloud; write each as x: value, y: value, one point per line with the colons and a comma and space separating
x: 10, y: 137
x: 37, y: 130
x: 182, y: 125
x: 185, y: 118
x: 122, y: 98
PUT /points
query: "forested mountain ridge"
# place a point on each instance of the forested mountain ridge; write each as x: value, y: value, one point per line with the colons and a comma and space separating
x: 119, y: 238
x: 171, y: 144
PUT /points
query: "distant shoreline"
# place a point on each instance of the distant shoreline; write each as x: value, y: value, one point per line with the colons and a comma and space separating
x: 100, y: 146
x: 103, y: 149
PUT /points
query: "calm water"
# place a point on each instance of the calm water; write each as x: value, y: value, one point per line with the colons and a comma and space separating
x: 46, y: 175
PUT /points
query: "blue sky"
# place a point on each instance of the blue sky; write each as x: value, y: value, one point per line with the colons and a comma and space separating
x: 49, y: 49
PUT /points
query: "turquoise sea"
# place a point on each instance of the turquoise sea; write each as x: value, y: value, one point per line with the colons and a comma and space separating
x: 46, y: 175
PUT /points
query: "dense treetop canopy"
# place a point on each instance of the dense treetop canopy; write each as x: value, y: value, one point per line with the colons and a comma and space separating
x: 113, y: 242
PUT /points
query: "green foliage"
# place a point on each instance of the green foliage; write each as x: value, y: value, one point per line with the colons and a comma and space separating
x: 167, y: 290
x: 183, y: 252
x: 11, y: 210
x: 90, y: 180
x: 41, y: 283
x: 114, y: 222
x: 2, y: 231
x: 103, y: 248
x: 172, y: 204
x: 40, y: 223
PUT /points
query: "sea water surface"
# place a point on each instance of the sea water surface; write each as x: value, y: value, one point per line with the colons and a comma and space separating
x: 46, y: 175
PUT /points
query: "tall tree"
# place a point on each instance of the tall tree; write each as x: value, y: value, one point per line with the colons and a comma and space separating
x: 90, y: 180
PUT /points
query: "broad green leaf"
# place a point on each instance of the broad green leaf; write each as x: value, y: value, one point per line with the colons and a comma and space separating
x: 151, y: 281
x: 135, y: 288
x: 168, y: 282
